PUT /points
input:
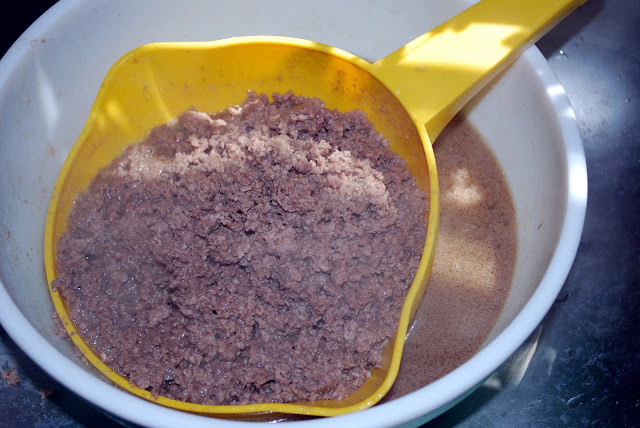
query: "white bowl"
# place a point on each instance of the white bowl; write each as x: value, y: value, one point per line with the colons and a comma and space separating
x: 48, y: 81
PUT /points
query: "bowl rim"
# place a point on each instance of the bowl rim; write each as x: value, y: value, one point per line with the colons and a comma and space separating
x: 439, y: 393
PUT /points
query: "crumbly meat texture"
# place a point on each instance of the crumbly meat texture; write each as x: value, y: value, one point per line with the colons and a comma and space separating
x: 11, y: 376
x: 261, y: 254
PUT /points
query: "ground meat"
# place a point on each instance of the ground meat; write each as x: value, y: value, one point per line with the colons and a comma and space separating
x: 257, y: 255
x: 11, y: 376
x: 46, y: 393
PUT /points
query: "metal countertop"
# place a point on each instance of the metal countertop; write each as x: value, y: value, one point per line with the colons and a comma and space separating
x: 581, y: 368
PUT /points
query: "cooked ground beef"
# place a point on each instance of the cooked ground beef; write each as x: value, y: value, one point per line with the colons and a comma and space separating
x: 11, y: 376
x: 261, y: 254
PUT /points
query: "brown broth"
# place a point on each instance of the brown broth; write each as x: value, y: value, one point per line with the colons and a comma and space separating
x: 474, y: 262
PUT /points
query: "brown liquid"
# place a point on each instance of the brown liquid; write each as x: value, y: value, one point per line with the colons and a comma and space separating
x: 473, y: 267
x: 474, y: 263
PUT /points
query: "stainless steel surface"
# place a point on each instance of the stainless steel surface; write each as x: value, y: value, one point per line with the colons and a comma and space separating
x: 581, y: 368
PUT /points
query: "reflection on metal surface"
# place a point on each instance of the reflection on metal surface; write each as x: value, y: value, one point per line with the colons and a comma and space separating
x: 512, y: 371
x: 550, y: 355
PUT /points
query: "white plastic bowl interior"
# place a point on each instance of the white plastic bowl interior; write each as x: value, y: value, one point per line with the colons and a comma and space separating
x: 48, y: 81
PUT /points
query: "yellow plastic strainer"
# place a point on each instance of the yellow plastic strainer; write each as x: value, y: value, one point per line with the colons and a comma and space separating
x: 409, y: 96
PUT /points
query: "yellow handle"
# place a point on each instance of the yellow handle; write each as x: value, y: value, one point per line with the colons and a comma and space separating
x: 435, y: 75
